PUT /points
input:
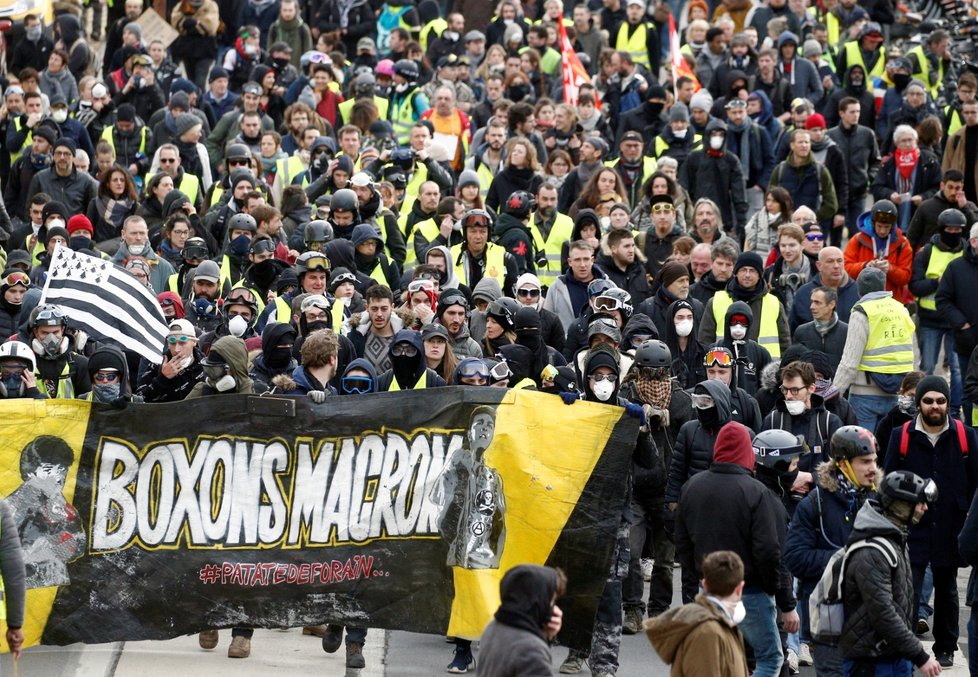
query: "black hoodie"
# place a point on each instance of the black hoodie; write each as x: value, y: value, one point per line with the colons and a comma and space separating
x: 687, y: 365
x: 263, y: 369
x: 753, y: 358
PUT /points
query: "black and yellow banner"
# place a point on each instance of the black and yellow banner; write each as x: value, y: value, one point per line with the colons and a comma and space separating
x: 399, y: 510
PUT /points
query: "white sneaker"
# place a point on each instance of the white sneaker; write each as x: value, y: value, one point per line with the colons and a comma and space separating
x: 792, y: 662
x: 647, y: 569
x: 805, y: 655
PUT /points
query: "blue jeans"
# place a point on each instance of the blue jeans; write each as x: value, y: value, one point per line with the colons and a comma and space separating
x: 901, y: 667
x: 924, y: 609
x: 870, y: 409
x: 760, y: 628
x: 930, y: 348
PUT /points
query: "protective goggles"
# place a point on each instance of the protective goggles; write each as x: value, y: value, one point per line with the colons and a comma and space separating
x: 13, y: 368
x: 317, y: 263
x: 421, y: 285
x: 343, y: 278
x: 357, y: 385
x: 718, y: 358
x: 701, y: 401
x: 106, y: 377
x: 477, y: 218
x: 474, y: 369
x: 610, y: 378
x: 884, y: 218
x: 403, y: 350
x: 597, y: 287
x: 193, y: 253
x: 608, y: 303
x: 500, y: 372
x: 262, y: 247
x: 240, y: 295
x: 17, y: 278
x: 426, y: 276
x: 660, y: 207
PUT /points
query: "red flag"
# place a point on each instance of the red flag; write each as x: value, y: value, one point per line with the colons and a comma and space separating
x: 679, y: 66
x: 572, y: 70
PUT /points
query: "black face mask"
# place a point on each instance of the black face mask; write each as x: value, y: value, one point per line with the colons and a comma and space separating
x: 708, y: 418
x: 310, y: 327
x: 518, y: 93
x: 950, y: 239
x: 278, y: 357
x: 280, y: 64
x: 264, y: 273
x: 405, y: 367
x: 655, y: 108
x: 901, y: 80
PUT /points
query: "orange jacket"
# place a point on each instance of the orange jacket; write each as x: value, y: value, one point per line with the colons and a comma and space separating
x: 860, y: 251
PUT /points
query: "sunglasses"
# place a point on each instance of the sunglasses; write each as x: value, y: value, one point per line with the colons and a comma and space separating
x: 815, y: 237
x: 173, y: 340
x: 17, y: 278
x: 403, y: 350
x: 167, y: 160
x: 106, y: 378
x: 659, y: 207
x: 718, y: 358
x: 528, y: 293
x: 598, y: 378
x: 238, y: 163
x: 358, y: 385
x: 934, y: 400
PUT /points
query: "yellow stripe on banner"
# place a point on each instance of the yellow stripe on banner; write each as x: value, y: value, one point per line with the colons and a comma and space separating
x: 541, y: 489
x: 21, y: 421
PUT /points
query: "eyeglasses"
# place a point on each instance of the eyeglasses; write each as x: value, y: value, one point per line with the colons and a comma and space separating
x: 528, y: 293
x: 815, y: 237
x: 173, y: 340
x: 794, y: 391
x: 106, y: 377
x: 929, y: 401
x: 17, y: 278
x: 357, y: 385
x: 701, y: 401
x: 598, y: 378
x: 403, y: 350
x: 718, y: 358
x: 659, y: 207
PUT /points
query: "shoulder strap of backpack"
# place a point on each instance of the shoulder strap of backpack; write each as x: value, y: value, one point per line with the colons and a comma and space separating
x: 962, y: 436
x: 880, y: 544
x: 904, y: 438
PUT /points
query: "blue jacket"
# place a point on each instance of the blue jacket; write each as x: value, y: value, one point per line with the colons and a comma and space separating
x: 935, y: 539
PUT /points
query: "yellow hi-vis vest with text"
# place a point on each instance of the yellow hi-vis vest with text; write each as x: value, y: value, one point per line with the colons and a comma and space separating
x: 560, y: 232
x: 495, y: 263
x: 889, y: 348
x: 938, y: 263
x: 768, y: 328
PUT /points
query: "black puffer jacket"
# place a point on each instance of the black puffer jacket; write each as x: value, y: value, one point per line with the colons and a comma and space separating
x: 693, y: 452
x: 956, y: 303
x: 153, y: 386
x: 879, y: 604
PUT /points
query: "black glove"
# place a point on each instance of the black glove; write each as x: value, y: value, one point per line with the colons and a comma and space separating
x: 190, y: 25
x: 541, y: 260
x: 120, y: 403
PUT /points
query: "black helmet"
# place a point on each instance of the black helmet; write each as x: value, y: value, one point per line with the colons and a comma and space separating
x: 47, y: 315
x: 242, y: 222
x: 311, y: 260
x: 194, y: 249
x: 653, y: 354
x: 503, y: 311
x: 477, y: 217
x: 850, y: 441
x: 903, y: 485
x: 317, y: 232
x: 344, y: 200
x: 775, y: 449
x: 237, y: 151
x: 883, y: 207
x: 952, y: 218
x: 407, y: 69
x: 520, y: 204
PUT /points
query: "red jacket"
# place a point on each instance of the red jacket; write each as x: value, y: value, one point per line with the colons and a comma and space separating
x: 860, y: 251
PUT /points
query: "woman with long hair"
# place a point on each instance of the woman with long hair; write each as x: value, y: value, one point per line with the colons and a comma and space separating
x: 157, y: 188
x: 605, y: 180
x: 521, y: 171
x: 761, y: 234
x: 559, y: 164
x: 115, y: 201
x: 438, y: 353
x: 500, y: 325
x: 530, y: 60
x: 494, y: 62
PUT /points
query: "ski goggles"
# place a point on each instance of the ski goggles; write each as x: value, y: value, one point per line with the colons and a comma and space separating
x: 598, y: 287
x: 316, y: 263
x: 262, y: 247
x: 608, y: 303
x: 474, y: 369
x: 357, y: 385
x: 718, y: 358
x: 421, y: 285
x: 343, y: 278
x: 500, y: 372
x: 477, y: 218
x: 701, y: 401
x: 884, y: 218
x: 403, y: 350
x: 660, y: 207
x: 17, y: 278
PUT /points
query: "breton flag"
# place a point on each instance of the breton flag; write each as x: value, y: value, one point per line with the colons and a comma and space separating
x: 108, y: 303
x: 679, y: 66
x: 572, y: 70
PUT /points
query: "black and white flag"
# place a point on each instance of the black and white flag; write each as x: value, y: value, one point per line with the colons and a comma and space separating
x: 106, y: 302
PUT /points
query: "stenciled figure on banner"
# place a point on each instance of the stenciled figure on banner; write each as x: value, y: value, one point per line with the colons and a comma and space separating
x: 50, y: 528
x: 470, y: 494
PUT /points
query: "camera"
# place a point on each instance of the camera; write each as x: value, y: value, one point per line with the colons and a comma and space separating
x: 792, y: 280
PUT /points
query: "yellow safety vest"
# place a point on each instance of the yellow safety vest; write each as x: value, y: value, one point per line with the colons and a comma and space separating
x: 216, y: 195
x: 430, y: 230
x: 832, y: 26
x: 420, y: 384
x: 485, y: 175
x: 347, y: 106
x: 283, y: 311
x: 889, y: 348
x: 189, y: 186
x: 337, y: 315
x: 495, y: 263
x: 648, y: 165
x: 560, y: 232
x: 172, y: 283
x: 28, y: 140
x: 107, y: 136
x: 403, y: 116
x: 436, y: 26
x: 954, y: 120
x: 854, y: 56
x: 66, y: 389
x: 768, y: 328
x: 661, y: 146
x: 413, y: 186
x: 637, y: 45
x: 924, y: 75
x: 936, y: 266
x: 289, y: 168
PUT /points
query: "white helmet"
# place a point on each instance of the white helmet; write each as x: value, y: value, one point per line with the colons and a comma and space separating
x: 18, y: 351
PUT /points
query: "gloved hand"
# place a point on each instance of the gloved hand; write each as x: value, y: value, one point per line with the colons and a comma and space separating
x: 569, y: 398
x: 204, y: 308
x: 541, y: 260
x: 317, y: 396
x: 636, y: 411
x: 120, y: 403
x: 660, y: 417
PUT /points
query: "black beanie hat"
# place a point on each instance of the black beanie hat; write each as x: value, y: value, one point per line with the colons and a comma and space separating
x: 929, y: 384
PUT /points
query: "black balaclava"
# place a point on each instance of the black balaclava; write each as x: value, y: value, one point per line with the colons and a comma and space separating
x: 277, y: 333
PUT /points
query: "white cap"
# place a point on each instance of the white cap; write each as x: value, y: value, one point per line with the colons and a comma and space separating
x: 640, y: 3
x: 182, y: 328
